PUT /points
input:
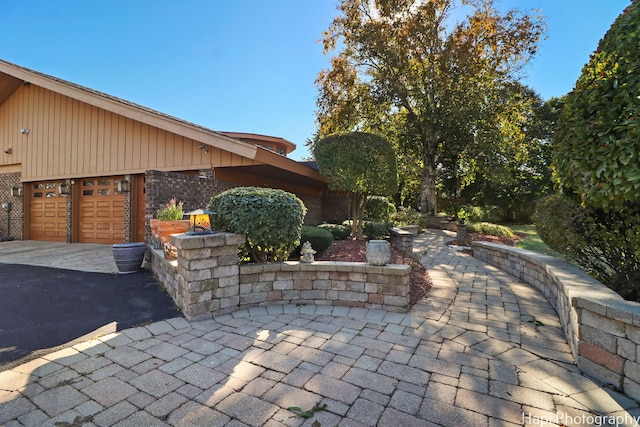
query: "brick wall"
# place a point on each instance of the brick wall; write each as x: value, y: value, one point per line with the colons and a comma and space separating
x: 602, y: 329
x: 15, y: 216
x: 335, y: 207
x: 194, y: 191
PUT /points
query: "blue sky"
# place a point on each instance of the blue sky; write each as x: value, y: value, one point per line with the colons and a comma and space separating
x: 241, y: 65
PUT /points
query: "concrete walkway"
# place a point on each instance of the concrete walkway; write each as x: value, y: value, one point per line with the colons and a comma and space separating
x: 481, y: 350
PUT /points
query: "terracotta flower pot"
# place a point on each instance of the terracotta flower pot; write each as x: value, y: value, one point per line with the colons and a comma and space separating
x: 155, y: 237
x: 165, y: 229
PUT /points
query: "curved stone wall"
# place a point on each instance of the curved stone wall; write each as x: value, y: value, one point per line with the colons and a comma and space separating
x: 602, y: 329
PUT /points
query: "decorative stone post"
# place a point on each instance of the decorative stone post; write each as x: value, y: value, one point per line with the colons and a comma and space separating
x: 461, y: 236
x: 208, y: 273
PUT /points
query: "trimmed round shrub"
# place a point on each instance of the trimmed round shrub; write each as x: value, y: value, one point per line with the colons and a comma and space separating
x: 270, y: 219
x: 339, y: 231
x: 378, y: 208
x: 319, y: 238
x: 376, y: 229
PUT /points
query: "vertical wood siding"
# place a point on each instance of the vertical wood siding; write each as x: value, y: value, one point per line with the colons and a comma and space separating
x: 69, y: 139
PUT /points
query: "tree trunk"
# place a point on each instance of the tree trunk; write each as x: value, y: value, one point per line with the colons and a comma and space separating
x: 428, y: 190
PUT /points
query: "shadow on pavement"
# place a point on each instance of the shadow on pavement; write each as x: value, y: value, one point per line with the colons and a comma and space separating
x: 44, y: 308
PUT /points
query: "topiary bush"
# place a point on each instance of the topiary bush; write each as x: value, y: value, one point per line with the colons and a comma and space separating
x: 319, y: 238
x: 270, y: 219
x: 339, y: 231
x: 605, y: 243
x: 378, y: 208
x: 376, y: 229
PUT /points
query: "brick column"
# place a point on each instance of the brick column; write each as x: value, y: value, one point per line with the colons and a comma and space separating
x: 208, y: 273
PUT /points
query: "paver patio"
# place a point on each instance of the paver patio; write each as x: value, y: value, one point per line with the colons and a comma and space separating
x: 483, y: 349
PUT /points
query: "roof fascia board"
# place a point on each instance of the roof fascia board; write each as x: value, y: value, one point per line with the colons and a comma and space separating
x: 160, y: 121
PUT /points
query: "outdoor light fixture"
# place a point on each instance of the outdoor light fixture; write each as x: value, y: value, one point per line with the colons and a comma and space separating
x: 64, y: 188
x: 200, y: 222
x: 123, y: 186
x: 24, y: 131
x: 16, y: 191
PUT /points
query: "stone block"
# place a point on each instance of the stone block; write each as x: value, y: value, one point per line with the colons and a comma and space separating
x: 228, y: 281
x: 321, y: 284
x: 196, y: 275
x: 375, y: 299
x: 224, y: 250
x: 357, y: 277
x: 231, y: 259
x: 290, y: 266
x: 198, y: 297
x: 195, y: 254
x: 248, y: 278
x: 633, y: 333
x: 254, y: 298
x: 598, y: 337
x: 602, y: 357
x: 632, y: 371
x: 227, y: 292
x: 274, y: 296
x: 355, y: 286
x: 371, y: 288
x: 202, y: 285
x: 229, y: 302
x: 605, y: 324
x: 282, y: 285
x: 338, y: 285
x: 352, y: 296
x: 251, y: 268
x: 186, y: 242
x: 229, y: 270
x: 626, y: 349
x: 313, y: 294
x: 215, y: 240
x: 631, y: 389
x: 202, y: 264
x: 290, y: 295
x: 235, y: 239
x: 302, y: 284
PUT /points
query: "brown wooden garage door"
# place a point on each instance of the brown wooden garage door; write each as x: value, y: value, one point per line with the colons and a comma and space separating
x: 47, y: 212
x: 101, y: 211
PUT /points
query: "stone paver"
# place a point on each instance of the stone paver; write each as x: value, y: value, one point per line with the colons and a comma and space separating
x: 467, y: 355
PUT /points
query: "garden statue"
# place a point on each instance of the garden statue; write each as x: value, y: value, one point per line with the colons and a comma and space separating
x: 307, y: 252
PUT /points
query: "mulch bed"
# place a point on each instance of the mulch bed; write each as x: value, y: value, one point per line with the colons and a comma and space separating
x: 355, y: 251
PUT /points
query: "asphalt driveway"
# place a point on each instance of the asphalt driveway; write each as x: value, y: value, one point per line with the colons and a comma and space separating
x: 42, y: 308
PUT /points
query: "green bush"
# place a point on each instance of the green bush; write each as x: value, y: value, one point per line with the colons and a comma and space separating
x: 378, y: 208
x: 270, y: 219
x: 597, y: 140
x: 376, y: 229
x: 319, y: 238
x: 407, y: 216
x: 490, y: 229
x: 605, y: 243
x: 490, y: 213
x: 339, y: 231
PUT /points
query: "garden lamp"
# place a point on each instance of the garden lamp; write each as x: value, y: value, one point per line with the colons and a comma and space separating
x: 200, y: 222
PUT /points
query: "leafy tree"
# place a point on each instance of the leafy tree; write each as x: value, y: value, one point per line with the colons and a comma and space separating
x: 598, y: 141
x: 359, y: 163
x: 523, y: 158
x: 404, y: 68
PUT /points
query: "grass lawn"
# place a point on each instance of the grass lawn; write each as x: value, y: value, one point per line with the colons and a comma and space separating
x: 533, y: 242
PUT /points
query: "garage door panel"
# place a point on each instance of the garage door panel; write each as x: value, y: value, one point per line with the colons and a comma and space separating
x: 47, y: 212
x: 101, y: 211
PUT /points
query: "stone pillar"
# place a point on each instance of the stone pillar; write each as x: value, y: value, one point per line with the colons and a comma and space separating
x: 461, y: 236
x: 207, y: 273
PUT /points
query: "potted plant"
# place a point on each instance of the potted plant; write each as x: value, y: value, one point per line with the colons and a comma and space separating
x: 129, y: 256
x: 170, y: 222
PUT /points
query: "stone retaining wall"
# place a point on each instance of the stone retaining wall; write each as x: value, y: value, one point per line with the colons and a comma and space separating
x: 206, y: 279
x: 603, y: 330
